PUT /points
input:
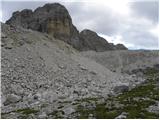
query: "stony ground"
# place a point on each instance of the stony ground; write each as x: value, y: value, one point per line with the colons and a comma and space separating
x: 43, y: 77
x: 140, y: 102
x: 124, y: 61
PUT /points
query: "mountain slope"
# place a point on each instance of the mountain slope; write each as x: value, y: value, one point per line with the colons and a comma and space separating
x: 39, y: 70
x: 124, y: 61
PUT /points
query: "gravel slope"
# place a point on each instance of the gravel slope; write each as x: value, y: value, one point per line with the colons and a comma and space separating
x: 124, y: 60
x: 38, y: 71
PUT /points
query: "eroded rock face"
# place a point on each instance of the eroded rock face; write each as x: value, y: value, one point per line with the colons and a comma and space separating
x: 91, y: 41
x: 51, y: 18
x: 120, y: 47
x: 55, y: 20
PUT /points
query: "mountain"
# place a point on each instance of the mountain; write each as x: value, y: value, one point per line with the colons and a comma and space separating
x: 43, y: 76
x: 55, y: 20
x: 38, y: 69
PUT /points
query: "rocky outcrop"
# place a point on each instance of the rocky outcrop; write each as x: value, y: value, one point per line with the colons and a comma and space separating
x: 120, y: 88
x: 91, y: 41
x: 51, y: 18
x: 120, y: 47
x: 55, y: 20
x: 11, y: 98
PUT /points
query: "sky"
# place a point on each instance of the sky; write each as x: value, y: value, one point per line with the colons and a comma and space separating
x: 134, y: 23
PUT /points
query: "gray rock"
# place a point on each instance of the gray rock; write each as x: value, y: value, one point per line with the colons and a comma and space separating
x: 37, y: 96
x: 91, y: 41
x: 3, y: 35
x: 122, y: 116
x: 121, y: 88
x: 120, y: 47
x: 69, y: 110
x: 90, y: 116
x: 11, y: 98
x: 43, y: 115
x: 153, y: 109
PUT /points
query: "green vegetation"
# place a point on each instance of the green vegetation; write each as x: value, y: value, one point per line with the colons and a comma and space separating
x: 99, y: 112
x: 24, y: 113
x: 27, y: 111
x: 133, y: 102
x: 56, y: 114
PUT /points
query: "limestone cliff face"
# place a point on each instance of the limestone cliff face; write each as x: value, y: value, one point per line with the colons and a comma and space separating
x: 55, y: 20
x: 120, y: 47
x: 91, y: 41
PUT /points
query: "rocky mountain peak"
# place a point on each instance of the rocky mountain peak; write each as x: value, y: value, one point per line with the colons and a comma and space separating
x: 92, y: 41
x: 87, y: 31
x: 121, y: 47
x: 54, y: 19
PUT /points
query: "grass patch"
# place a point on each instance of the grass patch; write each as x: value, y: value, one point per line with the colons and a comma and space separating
x: 27, y: 111
x: 141, y: 91
x: 147, y: 94
x: 101, y: 112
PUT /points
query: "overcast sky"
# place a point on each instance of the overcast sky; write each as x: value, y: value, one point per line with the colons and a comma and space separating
x: 133, y: 23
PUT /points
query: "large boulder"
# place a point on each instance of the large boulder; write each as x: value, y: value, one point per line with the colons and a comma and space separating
x: 121, y: 87
x: 11, y: 98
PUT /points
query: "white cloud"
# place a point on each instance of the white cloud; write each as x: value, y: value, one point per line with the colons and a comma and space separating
x: 112, y: 19
x: 155, y: 31
x: 116, y: 40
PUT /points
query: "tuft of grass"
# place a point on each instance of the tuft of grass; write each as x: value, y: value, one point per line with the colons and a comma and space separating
x: 84, y: 113
x: 101, y: 112
x: 140, y: 91
x: 27, y: 111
